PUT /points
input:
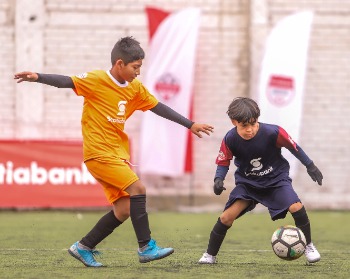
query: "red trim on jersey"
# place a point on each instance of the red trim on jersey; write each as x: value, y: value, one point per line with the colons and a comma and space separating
x: 285, y: 140
x: 225, y: 155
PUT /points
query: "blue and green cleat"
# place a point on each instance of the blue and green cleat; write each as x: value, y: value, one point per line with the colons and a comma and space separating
x: 152, y: 252
x: 86, y: 256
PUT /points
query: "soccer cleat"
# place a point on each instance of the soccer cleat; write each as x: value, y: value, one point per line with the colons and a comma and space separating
x: 152, y: 252
x: 311, y: 253
x: 84, y: 255
x: 207, y: 259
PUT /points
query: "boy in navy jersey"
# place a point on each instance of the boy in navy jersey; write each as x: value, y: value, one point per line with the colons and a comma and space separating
x: 262, y: 175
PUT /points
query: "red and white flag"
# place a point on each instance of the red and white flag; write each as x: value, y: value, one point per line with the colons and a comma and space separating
x: 165, y: 146
x: 281, y: 87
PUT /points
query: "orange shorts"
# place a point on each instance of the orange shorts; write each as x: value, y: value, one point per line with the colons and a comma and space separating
x: 114, y: 176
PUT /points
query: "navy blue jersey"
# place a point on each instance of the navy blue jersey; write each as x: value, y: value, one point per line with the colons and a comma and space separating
x: 259, y: 161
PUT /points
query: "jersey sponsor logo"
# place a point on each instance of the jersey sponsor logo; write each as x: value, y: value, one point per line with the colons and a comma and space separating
x: 115, y: 120
x: 82, y: 75
x: 121, y: 112
x: 167, y: 86
x: 121, y: 108
x: 257, y: 165
x: 260, y: 173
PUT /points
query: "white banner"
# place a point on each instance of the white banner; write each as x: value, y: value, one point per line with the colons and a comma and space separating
x: 283, y: 74
x: 170, y: 71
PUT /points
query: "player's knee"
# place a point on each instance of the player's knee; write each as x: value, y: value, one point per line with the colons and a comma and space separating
x: 295, y: 207
x: 122, y: 212
x: 136, y: 188
x: 122, y: 215
x: 227, y: 220
x: 121, y: 208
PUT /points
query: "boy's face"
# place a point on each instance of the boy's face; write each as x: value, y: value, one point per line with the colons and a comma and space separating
x: 126, y: 72
x: 246, y: 130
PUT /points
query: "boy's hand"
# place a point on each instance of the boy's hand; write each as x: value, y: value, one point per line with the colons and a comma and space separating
x: 218, y: 186
x: 196, y: 128
x: 26, y: 76
x: 314, y: 173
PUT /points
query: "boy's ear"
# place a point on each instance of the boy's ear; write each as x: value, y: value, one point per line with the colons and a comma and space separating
x: 119, y: 63
x: 234, y: 122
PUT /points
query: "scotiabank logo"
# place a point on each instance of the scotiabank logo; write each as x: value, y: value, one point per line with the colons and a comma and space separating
x: 37, y: 175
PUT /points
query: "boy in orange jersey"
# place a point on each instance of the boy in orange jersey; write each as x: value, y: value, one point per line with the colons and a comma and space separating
x: 110, y: 98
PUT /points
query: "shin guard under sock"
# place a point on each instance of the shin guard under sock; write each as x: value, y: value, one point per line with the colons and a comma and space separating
x: 139, y: 219
x: 302, y: 222
x: 217, y: 236
x: 104, y: 227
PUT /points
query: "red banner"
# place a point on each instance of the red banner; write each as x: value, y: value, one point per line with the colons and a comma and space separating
x: 46, y: 174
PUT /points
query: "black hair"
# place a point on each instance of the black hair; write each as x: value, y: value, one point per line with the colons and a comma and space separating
x: 128, y: 50
x: 244, y: 110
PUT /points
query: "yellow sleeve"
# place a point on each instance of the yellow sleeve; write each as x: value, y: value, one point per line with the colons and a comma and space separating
x: 84, y: 83
x: 145, y: 100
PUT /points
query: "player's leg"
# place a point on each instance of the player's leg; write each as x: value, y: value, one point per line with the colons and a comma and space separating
x: 106, y: 225
x: 148, y: 249
x: 302, y: 221
x: 220, y: 229
x: 283, y: 199
x: 84, y: 250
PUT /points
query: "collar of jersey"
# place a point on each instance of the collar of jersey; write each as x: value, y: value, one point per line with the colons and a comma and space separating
x: 117, y: 82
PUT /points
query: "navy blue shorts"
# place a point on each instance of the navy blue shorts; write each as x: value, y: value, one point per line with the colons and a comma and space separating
x: 277, y: 199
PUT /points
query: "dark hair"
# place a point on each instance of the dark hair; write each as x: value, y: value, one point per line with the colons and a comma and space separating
x: 128, y: 50
x: 244, y: 110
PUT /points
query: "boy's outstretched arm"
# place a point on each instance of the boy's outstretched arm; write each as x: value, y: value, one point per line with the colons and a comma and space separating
x: 59, y: 81
x: 170, y: 114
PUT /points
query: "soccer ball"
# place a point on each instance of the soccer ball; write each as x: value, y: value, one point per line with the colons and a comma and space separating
x: 288, y: 242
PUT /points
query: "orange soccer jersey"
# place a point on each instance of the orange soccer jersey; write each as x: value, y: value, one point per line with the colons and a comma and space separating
x: 107, y: 105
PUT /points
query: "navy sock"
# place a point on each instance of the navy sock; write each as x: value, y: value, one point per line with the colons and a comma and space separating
x: 103, y: 228
x: 302, y: 222
x: 217, y: 236
x: 139, y: 219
